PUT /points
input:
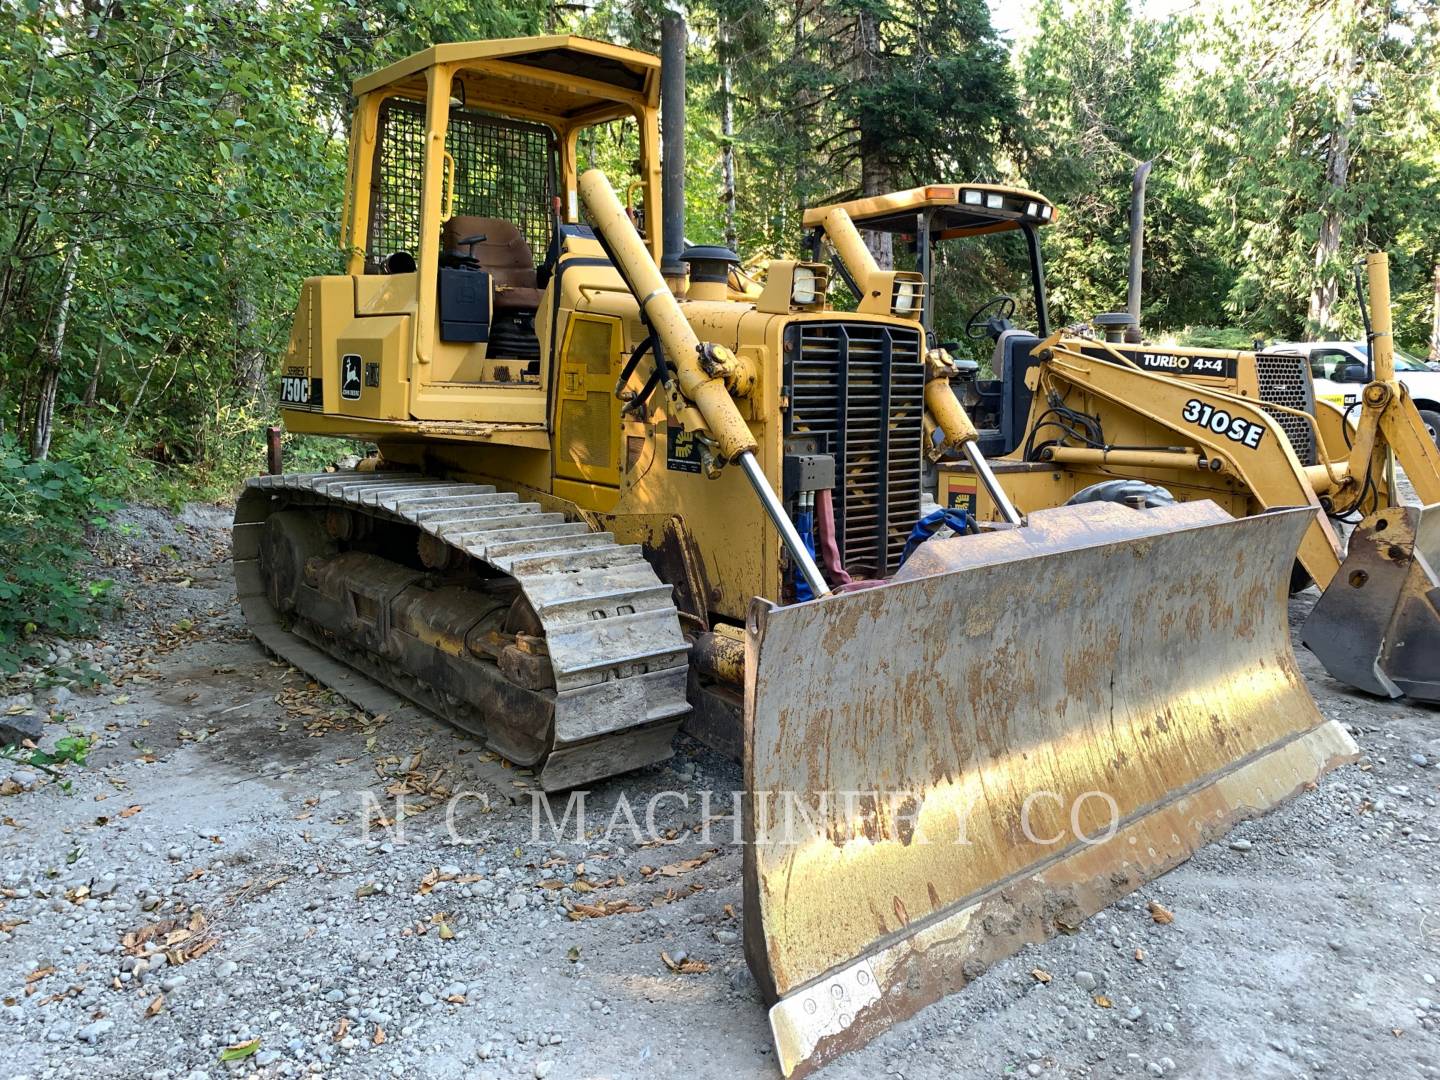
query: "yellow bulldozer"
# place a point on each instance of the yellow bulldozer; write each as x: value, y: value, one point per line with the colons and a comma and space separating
x: 605, y: 501
x: 1069, y: 418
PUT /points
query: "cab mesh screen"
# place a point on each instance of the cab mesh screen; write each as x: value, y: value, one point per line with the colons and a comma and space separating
x: 503, y: 169
x: 395, y: 183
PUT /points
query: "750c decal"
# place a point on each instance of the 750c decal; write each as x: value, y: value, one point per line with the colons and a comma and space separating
x: 1221, y: 422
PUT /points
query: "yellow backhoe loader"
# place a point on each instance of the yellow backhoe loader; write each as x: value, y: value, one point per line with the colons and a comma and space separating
x: 1072, y: 418
x: 603, y: 500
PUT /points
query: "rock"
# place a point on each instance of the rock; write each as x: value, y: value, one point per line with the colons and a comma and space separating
x: 16, y: 729
x: 726, y: 937
x: 1419, y: 760
x: 542, y: 1069
x: 1086, y: 981
x: 267, y: 1057
x: 1033, y: 1069
x: 24, y: 777
x: 172, y: 982
x: 1135, y: 1012
x: 225, y: 970
x: 1240, y: 845
x: 92, y: 1032
x: 1155, y: 1069
x: 516, y: 900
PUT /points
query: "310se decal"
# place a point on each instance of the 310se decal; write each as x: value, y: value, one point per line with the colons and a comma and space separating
x: 1221, y: 422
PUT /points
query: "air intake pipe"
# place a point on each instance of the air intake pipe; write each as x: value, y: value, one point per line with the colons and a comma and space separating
x: 700, y: 368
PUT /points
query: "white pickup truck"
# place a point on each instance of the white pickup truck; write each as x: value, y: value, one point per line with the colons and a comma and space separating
x: 1338, y: 371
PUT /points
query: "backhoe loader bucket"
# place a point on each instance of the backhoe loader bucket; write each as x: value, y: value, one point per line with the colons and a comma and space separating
x: 1022, y: 727
x: 1377, y: 625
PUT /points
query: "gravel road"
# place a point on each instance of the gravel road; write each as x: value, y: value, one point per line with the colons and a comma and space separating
x: 207, y: 882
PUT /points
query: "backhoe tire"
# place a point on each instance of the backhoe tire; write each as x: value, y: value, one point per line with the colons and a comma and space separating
x: 1131, y: 492
x: 1431, y: 420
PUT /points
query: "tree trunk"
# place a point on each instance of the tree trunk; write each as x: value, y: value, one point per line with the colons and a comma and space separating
x: 874, y: 173
x: 1326, y: 289
x: 250, y: 366
x: 727, y: 138
x: 1435, y: 319
x: 51, y: 350
x: 93, y: 386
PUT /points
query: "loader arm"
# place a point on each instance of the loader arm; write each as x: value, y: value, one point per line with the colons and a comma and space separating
x: 1377, y: 625
x: 1231, y: 432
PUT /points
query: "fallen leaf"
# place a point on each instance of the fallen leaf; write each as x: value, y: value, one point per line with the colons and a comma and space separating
x: 368, y: 889
x: 456, y: 999
x: 153, y: 1009
x: 129, y: 811
x: 1103, y: 1001
x: 341, y: 1029
x: 1160, y: 914
x: 1139, y: 954
x: 573, y: 954
x: 445, y: 932
x: 1041, y: 975
x: 686, y: 966
x: 39, y: 973
x: 602, y: 909
x: 379, y: 1038
x: 687, y: 865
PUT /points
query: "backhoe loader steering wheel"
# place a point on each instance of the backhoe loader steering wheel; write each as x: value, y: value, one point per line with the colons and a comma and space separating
x: 977, y: 328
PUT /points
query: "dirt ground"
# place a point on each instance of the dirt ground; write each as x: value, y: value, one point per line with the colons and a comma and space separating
x: 221, y: 815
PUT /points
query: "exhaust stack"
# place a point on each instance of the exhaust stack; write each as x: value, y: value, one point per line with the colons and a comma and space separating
x: 673, y: 34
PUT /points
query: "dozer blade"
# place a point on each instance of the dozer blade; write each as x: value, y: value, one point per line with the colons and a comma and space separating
x: 1377, y: 625
x: 1031, y: 724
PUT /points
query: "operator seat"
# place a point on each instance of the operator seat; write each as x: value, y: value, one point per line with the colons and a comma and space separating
x: 1006, y: 397
x: 503, y: 254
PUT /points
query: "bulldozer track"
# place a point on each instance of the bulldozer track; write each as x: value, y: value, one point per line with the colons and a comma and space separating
x: 617, y: 652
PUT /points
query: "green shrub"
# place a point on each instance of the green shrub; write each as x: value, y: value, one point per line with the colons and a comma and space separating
x: 45, y: 509
x: 1212, y: 337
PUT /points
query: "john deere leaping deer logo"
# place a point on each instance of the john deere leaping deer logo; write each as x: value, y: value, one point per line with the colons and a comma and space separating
x: 350, y: 377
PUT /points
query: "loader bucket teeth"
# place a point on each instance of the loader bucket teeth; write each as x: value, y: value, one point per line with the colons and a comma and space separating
x: 1377, y: 625
x: 1022, y: 727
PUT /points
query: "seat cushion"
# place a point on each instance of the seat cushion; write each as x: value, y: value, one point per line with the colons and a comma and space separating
x: 503, y: 253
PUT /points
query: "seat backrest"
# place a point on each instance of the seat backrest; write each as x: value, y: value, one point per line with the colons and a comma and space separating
x: 503, y: 253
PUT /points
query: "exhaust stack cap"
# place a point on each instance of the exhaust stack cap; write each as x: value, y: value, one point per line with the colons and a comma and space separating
x: 1117, y: 326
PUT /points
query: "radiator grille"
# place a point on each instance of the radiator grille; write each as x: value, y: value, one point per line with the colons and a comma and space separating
x: 861, y: 387
x: 1285, y: 380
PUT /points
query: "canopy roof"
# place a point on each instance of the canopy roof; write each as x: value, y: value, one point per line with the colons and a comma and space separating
x: 954, y: 209
x: 559, y: 75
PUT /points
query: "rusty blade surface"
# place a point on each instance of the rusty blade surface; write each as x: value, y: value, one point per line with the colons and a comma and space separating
x: 1032, y: 724
x: 1377, y: 625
